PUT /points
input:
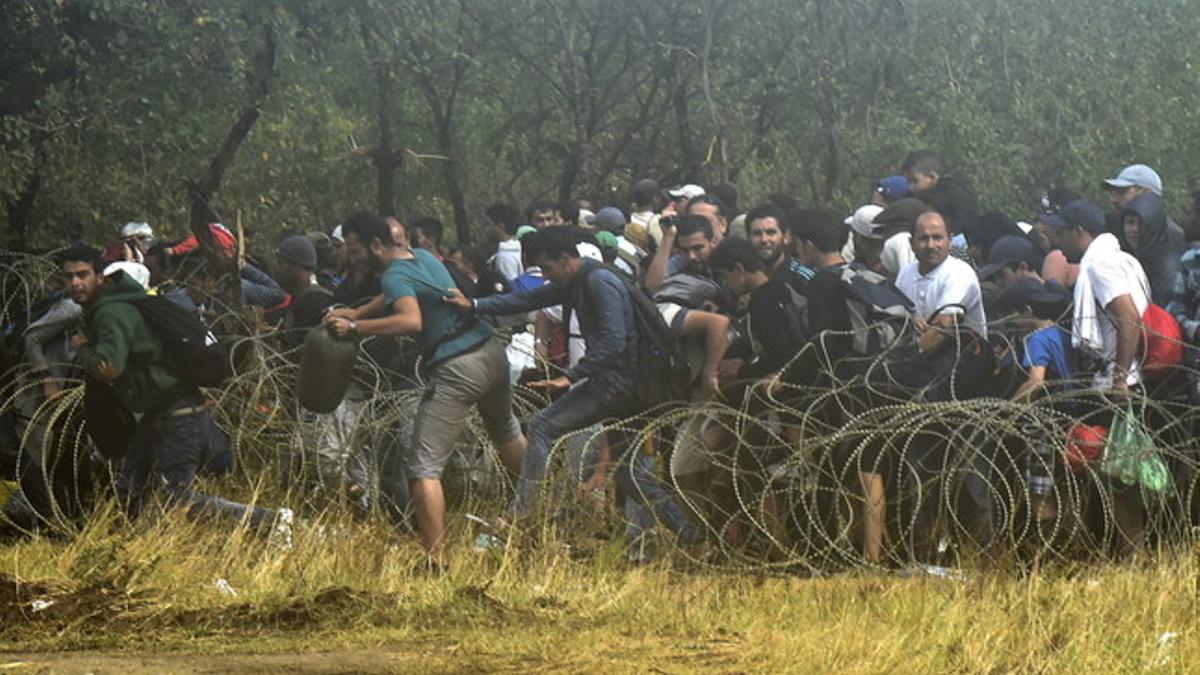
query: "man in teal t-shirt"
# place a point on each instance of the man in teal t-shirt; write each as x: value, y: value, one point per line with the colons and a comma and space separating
x: 445, y: 333
x: 465, y: 363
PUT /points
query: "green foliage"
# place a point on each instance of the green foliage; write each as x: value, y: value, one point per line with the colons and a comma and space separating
x: 110, y: 108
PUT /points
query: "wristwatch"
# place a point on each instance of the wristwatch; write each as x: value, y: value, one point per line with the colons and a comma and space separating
x: 353, y: 326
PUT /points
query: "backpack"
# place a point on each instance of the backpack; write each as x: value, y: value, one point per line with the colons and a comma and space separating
x: 663, y: 372
x: 795, y: 314
x: 631, y: 258
x: 1162, y: 342
x: 879, y: 312
x: 190, y: 351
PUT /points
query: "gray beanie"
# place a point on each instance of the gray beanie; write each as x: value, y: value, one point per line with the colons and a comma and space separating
x: 298, y: 250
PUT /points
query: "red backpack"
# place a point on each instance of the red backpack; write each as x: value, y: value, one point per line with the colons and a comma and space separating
x: 1162, y: 343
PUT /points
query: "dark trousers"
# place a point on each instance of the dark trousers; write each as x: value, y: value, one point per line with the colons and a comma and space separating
x: 580, y: 408
x: 164, y: 455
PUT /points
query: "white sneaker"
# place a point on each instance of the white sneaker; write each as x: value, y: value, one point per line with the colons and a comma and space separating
x: 281, y: 532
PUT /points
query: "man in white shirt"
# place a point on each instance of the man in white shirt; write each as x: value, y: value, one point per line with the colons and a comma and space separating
x: 945, y: 294
x: 944, y: 290
x: 1111, y: 294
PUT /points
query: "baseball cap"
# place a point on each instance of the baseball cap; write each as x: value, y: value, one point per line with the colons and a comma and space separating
x: 862, y: 222
x: 1028, y: 292
x: 893, y: 187
x: 606, y: 239
x: 524, y: 230
x: 1079, y: 213
x: 1009, y: 249
x: 1136, y: 175
x: 298, y: 250
x: 689, y: 191
x: 609, y: 219
x: 901, y: 213
x: 137, y: 230
x: 645, y: 188
x: 137, y: 271
x: 337, y: 236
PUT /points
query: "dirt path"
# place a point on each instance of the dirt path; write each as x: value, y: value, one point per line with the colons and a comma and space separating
x: 103, y: 663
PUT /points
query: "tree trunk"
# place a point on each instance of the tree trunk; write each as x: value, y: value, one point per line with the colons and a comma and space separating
x: 385, y: 155
x: 19, y: 210
x: 441, y: 108
x: 454, y: 191
x: 203, y: 191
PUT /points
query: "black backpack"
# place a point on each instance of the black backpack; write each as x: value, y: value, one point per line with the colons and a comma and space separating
x: 663, y: 373
x: 190, y: 350
x: 880, y: 313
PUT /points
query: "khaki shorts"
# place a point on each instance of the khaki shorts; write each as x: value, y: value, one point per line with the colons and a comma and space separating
x: 476, y: 379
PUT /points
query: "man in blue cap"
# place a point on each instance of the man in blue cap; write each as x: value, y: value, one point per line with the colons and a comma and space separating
x: 890, y: 190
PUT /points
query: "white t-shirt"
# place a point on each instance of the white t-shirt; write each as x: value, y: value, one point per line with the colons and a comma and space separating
x: 507, y: 261
x: 1106, y: 273
x: 951, y: 283
x: 897, y: 253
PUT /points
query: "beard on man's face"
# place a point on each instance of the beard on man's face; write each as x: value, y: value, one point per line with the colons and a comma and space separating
x: 772, y: 256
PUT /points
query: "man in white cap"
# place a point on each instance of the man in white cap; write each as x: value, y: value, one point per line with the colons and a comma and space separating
x: 136, y: 271
x: 866, y: 241
x: 684, y: 194
x: 1132, y: 181
x: 136, y: 239
x: 140, y: 231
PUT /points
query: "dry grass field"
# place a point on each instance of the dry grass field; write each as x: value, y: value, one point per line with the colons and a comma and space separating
x: 178, y: 596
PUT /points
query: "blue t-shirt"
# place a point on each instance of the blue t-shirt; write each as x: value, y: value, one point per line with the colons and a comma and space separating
x: 443, y: 327
x: 1051, y: 348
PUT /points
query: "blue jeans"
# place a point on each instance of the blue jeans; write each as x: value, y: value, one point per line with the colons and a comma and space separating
x: 164, y: 455
x: 581, y: 407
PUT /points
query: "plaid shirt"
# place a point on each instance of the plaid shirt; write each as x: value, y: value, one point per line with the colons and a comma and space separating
x: 1185, y: 293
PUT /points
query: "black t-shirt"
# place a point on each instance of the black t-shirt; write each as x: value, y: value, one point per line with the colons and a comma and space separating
x: 772, y: 335
x: 306, y: 311
x: 827, y: 311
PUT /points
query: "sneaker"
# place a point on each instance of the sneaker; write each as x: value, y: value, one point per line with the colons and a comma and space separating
x: 281, y: 533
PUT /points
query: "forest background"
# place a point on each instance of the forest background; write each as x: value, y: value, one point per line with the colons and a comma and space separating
x: 293, y: 113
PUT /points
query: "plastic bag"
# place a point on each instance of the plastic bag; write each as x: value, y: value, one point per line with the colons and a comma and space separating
x: 1130, y: 455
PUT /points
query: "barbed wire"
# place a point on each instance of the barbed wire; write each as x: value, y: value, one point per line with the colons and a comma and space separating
x: 776, y: 479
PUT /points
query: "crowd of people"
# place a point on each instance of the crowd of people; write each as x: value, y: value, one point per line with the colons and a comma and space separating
x: 672, y: 300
